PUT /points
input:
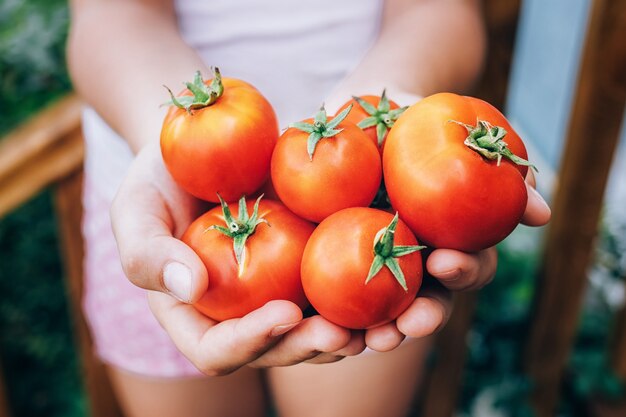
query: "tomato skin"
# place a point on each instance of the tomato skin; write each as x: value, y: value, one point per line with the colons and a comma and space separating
x: 448, y: 194
x: 271, y: 268
x: 358, y: 114
x: 336, y: 263
x: 345, y: 172
x: 225, y: 148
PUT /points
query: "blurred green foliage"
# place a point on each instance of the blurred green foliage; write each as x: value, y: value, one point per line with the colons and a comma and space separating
x: 39, y: 362
x: 495, y: 384
x: 32, y: 57
x: 36, y: 346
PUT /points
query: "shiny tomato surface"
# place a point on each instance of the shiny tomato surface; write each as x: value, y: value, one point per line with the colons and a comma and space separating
x: 336, y: 263
x: 224, y: 148
x: 270, y: 267
x: 450, y: 195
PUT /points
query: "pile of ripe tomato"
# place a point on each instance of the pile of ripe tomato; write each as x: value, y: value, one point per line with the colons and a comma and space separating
x: 447, y: 171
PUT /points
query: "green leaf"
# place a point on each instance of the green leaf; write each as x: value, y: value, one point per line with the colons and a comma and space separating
x: 312, y: 141
x: 329, y: 133
x: 339, y: 118
x: 375, y: 268
x: 228, y: 217
x: 488, y: 141
x: 368, y: 122
x: 395, y: 113
x: 303, y: 126
x: 216, y: 87
x: 398, y: 251
x: 321, y: 117
x: 394, y: 223
x: 182, y: 102
x: 203, y: 96
x: 381, y: 131
x: 369, y: 109
x: 384, y: 105
x: 255, y: 211
x: 220, y: 229
x: 239, y: 245
x: 243, y: 211
x: 197, y: 79
x: 200, y: 94
x: 395, y: 269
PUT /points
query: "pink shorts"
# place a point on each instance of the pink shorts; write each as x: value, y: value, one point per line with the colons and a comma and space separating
x: 124, y: 331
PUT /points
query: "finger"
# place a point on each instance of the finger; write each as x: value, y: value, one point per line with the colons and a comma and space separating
x: 353, y: 348
x: 151, y: 257
x: 384, y: 338
x: 428, y: 314
x: 530, y: 178
x: 221, y: 348
x: 537, y: 211
x: 463, y: 271
x: 313, y: 336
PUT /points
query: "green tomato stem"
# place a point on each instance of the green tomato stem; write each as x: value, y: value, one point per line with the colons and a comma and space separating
x: 385, y: 253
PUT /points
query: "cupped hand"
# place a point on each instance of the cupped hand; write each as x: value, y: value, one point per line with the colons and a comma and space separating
x: 149, y: 213
x: 453, y: 270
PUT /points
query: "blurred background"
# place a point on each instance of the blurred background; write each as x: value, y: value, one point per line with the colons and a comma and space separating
x: 40, y: 364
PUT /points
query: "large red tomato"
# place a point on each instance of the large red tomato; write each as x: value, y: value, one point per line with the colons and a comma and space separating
x: 361, y: 268
x: 454, y: 169
x: 218, y: 138
x: 375, y: 115
x: 252, y: 254
x: 321, y: 166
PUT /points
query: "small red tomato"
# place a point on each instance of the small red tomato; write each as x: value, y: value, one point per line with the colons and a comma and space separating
x: 361, y: 268
x: 250, y: 259
x: 454, y: 169
x: 218, y: 138
x: 321, y: 166
x: 375, y: 115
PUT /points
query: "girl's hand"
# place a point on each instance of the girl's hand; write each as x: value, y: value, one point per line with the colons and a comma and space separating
x: 148, y: 214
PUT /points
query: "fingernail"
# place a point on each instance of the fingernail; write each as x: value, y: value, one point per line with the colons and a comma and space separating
x: 177, y: 280
x: 539, y: 197
x: 278, y: 330
x: 448, y: 276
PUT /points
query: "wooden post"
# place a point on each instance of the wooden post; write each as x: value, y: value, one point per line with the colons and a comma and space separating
x: 4, y: 403
x: 618, y: 356
x: 36, y: 154
x: 444, y: 385
x: 68, y: 204
x: 591, y: 141
x: 442, y: 389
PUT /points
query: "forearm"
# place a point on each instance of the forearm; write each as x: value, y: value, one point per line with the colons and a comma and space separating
x: 424, y: 46
x: 119, y: 67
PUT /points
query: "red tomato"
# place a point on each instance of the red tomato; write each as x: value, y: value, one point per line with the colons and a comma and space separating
x: 449, y: 194
x: 219, y: 140
x: 375, y: 115
x: 267, y: 267
x: 320, y: 167
x: 337, y: 273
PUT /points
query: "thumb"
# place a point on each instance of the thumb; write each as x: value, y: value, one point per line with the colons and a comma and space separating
x: 537, y: 211
x: 151, y: 257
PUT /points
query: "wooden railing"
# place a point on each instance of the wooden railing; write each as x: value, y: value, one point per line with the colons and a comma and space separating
x: 48, y: 151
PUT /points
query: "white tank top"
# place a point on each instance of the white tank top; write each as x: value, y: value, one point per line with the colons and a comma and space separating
x: 294, y: 51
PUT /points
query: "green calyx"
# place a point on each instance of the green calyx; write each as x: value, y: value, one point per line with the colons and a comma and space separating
x: 321, y: 128
x: 385, y: 253
x: 382, y: 116
x: 241, y: 228
x: 202, y: 95
x: 489, y: 142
